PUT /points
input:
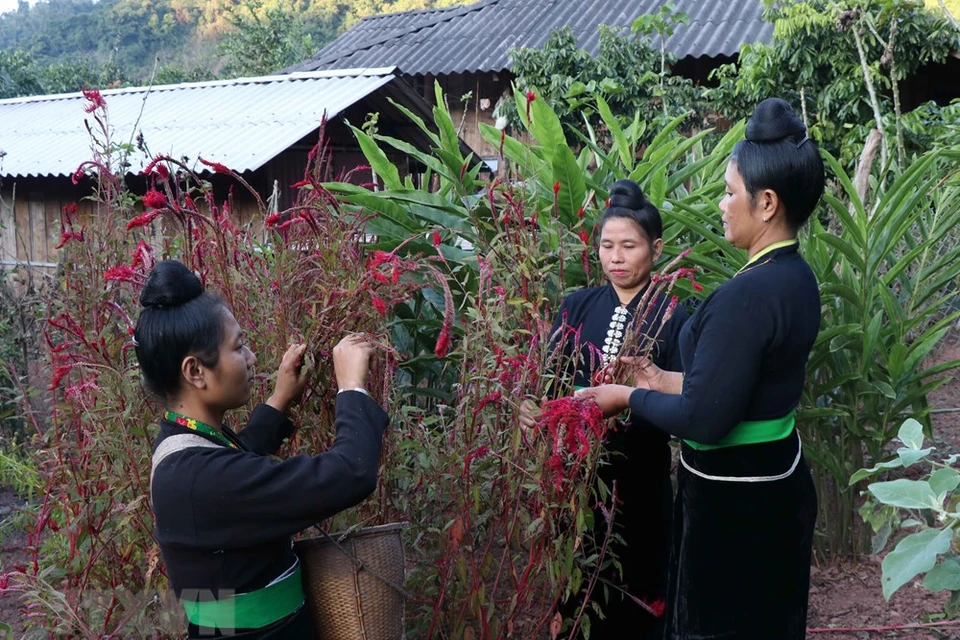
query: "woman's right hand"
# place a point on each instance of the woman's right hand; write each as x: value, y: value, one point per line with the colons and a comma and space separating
x: 529, y: 410
x: 351, y: 361
x: 646, y: 375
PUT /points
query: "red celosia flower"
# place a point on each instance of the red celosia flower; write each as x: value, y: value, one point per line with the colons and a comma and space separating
x: 379, y: 304
x: 696, y: 285
x: 297, y: 185
x: 216, y: 166
x: 66, y: 236
x: 95, y: 99
x: 674, y: 301
x: 581, y: 213
x: 436, y: 238
x: 531, y: 96
x: 490, y: 398
x: 142, y: 254
x: 77, y: 175
x: 59, y: 374
x: 568, y: 424
x: 153, y: 199
x: 380, y: 277
x: 272, y: 219
x: 443, y: 343
x: 143, y: 219
x: 584, y: 236
x: 187, y: 200
x: 480, y: 452
x: 657, y: 607
x: 120, y: 273
x: 379, y: 258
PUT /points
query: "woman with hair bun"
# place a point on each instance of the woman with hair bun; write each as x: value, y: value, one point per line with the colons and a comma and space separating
x: 746, y: 505
x: 592, y: 323
x: 224, y: 510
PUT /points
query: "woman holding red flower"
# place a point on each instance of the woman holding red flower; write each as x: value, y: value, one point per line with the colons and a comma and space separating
x: 746, y: 505
x: 592, y: 327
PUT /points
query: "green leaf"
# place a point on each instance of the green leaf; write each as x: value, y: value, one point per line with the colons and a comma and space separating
x: 914, y: 555
x: 945, y: 576
x: 907, y: 494
x: 620, y: 143
x: 866, y: 473
x: 911, y: 433
x: 658, y: 187
x: 911, y: 456
x: 943, y: 481
x: 386, y: 170
x: 572, y: 188
x: 545, y: 126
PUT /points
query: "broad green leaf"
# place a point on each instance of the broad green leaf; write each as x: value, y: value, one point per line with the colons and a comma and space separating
x: 911, y: 456
x: 914, y: 555
x: 866, y: 473
x: 945, y: 576
x: 546, y: 127
x: 572, y: 189
x: 621, y: 146
x: 907, y: 494
x: 911, y: 433
x: 943, y: 481
x: 386, y: 170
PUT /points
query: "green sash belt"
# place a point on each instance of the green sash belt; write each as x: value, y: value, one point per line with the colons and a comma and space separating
x: 253, y: 610
x: 753, y: 432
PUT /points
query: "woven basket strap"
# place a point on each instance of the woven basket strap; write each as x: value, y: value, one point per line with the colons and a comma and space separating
x: 175, y: 444
x: 358, y: 563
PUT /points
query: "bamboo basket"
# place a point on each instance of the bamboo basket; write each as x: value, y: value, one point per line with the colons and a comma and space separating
x: 353, y: 583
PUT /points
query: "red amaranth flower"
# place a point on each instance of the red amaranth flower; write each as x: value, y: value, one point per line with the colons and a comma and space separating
x: 95, y: 99
x: 443, y: 343
x: 67, y: 236
x: 556, y: 188
x: 120, y: 273
x: 297, y: 185
x: 657, y: 607
x: 584, y: 236
x: 490, y: 398
x: 143, y: 219
x: 59, y: 374
x: 216, y: 166
x: 153, y: 199
x: 272, y: 219
x: 379, y: 304
x: 142, y: 255
x: 477, y: 454
x: 581, y: 213
x: 436, y: 238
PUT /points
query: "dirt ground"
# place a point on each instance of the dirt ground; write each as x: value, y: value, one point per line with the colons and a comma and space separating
x: 845, y: 596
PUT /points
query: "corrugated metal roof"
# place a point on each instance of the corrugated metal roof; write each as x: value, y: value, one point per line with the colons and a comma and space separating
x: 241, y: 123
x: 478, y: 37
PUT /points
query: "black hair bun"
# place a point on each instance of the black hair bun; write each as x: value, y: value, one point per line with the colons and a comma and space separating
x: 627, y: 194
x: 774, y: 120
x: 170, y: 284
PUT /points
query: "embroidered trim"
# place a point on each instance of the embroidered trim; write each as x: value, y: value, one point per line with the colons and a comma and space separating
x: 786, y: 474
x: 614, y: 339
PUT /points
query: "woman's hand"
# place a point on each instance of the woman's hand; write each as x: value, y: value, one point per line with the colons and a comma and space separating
x: 351, y: 361
x: 613, y: 399
x: 529, y: 410
x: 292, y: 377
x: 647, y: 375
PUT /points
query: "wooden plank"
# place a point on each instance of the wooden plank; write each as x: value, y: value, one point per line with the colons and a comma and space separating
x: 21, y: 227
x: 38, y: 227
x: 8, y: 239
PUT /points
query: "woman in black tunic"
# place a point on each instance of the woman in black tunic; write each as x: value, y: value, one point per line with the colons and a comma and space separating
x: 593, y: 322
x: 746, y: 506
x: 224, y: 509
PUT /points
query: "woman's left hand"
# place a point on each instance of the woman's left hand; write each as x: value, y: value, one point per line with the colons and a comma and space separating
x: 292, y: 377
x: 613, y: 399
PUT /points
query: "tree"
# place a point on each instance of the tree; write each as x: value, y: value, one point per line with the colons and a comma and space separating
x: 264, y: 41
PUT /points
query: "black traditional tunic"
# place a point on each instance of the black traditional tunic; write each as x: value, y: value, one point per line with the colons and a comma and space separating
x: 745, y: 513
x: 225, y: 517
x: 640, y: 460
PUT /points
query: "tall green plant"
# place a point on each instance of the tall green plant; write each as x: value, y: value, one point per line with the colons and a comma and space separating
x: 886, y: 287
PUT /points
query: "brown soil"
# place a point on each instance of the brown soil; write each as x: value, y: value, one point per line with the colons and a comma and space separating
x: 848, y: 594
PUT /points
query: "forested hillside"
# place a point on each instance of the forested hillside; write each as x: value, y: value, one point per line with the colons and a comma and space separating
x: 60, y: 45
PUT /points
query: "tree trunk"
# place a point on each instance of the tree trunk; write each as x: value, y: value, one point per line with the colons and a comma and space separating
x: 803, y: 107
x: 871, y: 90
x: 861, y: 179
x: 895, y: 87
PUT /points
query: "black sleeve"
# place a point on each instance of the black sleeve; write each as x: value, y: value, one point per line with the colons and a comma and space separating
x: 243, y: 499
x: 670, y: 339
x: 265, y: 430
x: 733, y: 334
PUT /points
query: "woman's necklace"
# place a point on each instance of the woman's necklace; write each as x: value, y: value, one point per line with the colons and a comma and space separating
x: 754, y: 262
x: 199, y: 427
